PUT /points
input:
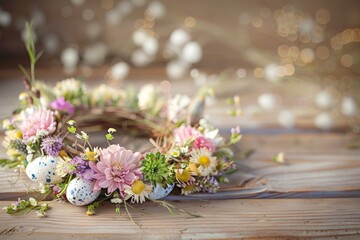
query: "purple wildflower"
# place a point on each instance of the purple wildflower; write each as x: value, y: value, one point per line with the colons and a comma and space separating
x: 88, y: 174
x: 81, y: 168
x: 52, y: 145
x: 61, y: 105
x: 235, y: 130
x: 209, y: 184
x: 78, y: 165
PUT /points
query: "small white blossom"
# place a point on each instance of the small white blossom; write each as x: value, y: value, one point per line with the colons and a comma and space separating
x: 14, y: 206
x: 42, y: 188
x: 40, y: 214
x: 146, y: 97
x: 41, y: 133
x: 6, y: 124
x: 184, y: 149
x: 116, y: 200
x: 71, y: 122
x: 177, y: 107
x: 83, y: 136
x: 33, y: 201
x: 69, y: 86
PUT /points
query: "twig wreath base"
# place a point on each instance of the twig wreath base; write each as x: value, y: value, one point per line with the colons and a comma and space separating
x: 46, y: 138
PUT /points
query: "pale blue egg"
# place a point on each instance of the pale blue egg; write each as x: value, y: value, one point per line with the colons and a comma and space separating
x: 43, y: 170
x: 159, y: 192
x: 80, y: 192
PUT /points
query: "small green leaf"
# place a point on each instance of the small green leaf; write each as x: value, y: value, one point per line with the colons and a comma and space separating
x: 109, y: 137
x: 72, y: 129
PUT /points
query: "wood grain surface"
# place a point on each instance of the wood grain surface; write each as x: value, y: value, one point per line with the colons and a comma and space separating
x: 314, y: 194
x: 249, y: 218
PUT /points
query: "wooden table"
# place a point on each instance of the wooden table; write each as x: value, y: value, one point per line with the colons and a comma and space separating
x: 314, y: 194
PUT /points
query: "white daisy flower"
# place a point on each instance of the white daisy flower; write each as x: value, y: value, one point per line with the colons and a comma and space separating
x: 138, y: 192
x: 205, y: 162
x: 189, y: 189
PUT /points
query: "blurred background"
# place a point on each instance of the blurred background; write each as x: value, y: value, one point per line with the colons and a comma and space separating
x: 274, y: 64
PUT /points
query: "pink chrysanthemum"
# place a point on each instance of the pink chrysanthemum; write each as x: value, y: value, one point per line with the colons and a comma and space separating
x: 203, y: 142
x: 118, y: 168
x: 184, y: 134
x: 37, y: 120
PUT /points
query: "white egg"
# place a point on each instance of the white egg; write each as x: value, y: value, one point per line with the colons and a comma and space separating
x: 324, y: 100
x: 267, y: 101
x: 69, y: 57
x: 349, y: 106
x: 192, y: 52
x: 80, y: 192
x: 51, y: 43
x: 139, y: 58
x: 139, y: 36
x: 286, y: 118
x: 179, y: 37
x: 159, y: 192
x: 120, y: 70
x: 95, y: 54
x: 323, y: 121
x: 43, y: 170
x: 176, y: 69
x: 113, y: 17
x: 125, y: 7
x: 150, y: 46
x: 5, y: 18
x: 156, y: 9
x: 272, y: 72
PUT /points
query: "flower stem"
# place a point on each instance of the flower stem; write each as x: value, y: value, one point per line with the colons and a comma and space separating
x: 65, y: 187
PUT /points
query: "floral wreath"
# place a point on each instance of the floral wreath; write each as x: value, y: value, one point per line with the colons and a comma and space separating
x: 44, y: 138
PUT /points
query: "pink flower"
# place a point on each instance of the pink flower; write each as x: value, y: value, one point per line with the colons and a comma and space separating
x: 118, y: 168
x: 203, y: 142
x: 184, y: 134
x: 62, y: 105
x: 37, y: 120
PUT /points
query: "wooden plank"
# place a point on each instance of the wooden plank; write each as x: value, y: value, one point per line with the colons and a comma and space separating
x: 316, y: 166
x: 250, y: 218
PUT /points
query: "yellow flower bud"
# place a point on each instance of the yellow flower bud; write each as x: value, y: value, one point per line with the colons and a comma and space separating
x: 63, y: 154
x: 183, y: 175
x: 193, y: 168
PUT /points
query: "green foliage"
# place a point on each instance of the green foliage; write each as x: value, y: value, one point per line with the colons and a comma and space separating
x: 157, y: 169
x: 19, y: 145
x: 24, y: 206
x: 9, y: 163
